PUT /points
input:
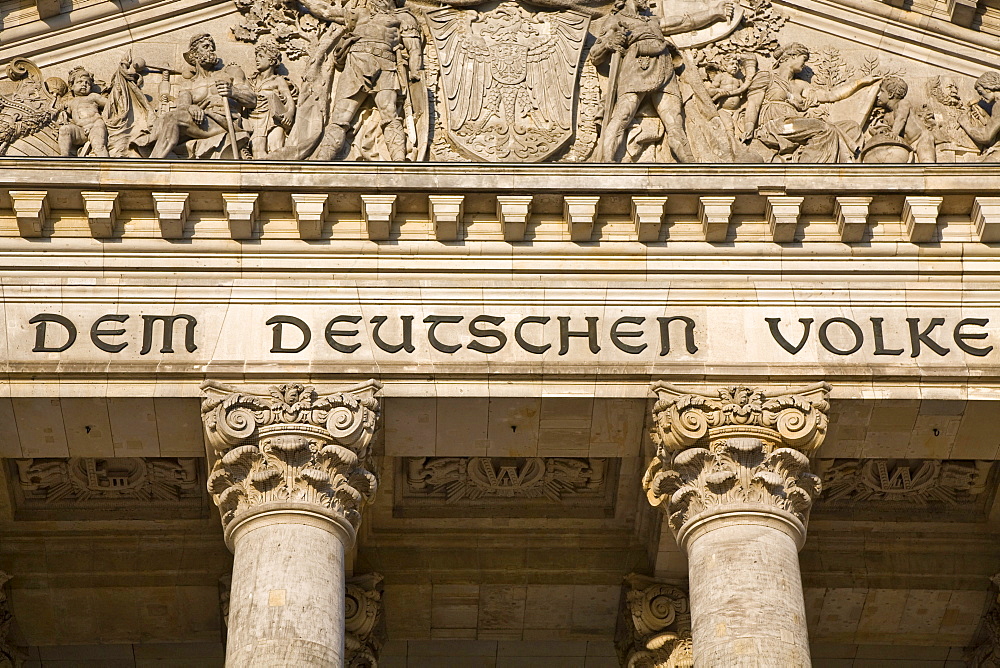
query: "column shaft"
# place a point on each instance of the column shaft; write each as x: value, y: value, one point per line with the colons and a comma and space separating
x: 745, y: 587
x: 287, y: 602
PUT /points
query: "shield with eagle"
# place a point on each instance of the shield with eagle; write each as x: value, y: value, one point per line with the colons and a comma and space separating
x: 508, y: 78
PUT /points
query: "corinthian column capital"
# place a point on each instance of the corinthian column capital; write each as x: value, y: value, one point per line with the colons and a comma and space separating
x: 738, y: 451
x: 292, y: 449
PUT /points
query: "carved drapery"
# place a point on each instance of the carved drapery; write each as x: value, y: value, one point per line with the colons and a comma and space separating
x: 364, y: 621
x: 291, y: 448
x: 654, y: 625
x: 739, y: 449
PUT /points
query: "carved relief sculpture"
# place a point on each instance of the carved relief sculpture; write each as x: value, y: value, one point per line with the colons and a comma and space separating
x: 984, y: 126
x: 516, y: 81
x: 508, y: 78
x: 379, y: 55
x: 364, y: 621
x: 273, y: 115
x: 778, y: 115
x: 896, y: 126
x: 475, y: 478
x: 207, y: 121
x: 84, y: 124
x: 642, y: 67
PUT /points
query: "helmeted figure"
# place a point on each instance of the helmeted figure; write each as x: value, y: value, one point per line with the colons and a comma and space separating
x: 642, y: 68
x: 379, y: 56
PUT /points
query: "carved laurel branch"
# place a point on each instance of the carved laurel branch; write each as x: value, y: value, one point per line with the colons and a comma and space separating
x: 682, y: 419
x: 737, y: 471
x: 232, y: 418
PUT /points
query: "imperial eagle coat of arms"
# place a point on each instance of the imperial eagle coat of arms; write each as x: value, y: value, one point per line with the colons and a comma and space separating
x: 508, y: 78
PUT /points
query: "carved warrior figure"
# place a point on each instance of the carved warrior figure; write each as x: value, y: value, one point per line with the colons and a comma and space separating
x: 642, y: 67
x: 84, y: 122
x: 778, y: 109
x: 380, y: 55
x: 987, y: 133
x: 208, y: 119
x: 274, y: 113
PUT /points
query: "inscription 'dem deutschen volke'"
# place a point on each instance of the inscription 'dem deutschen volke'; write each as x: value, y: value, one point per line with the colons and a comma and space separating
x: 533, y: 334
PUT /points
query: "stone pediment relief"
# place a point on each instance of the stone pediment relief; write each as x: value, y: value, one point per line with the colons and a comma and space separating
x: 509, y: 81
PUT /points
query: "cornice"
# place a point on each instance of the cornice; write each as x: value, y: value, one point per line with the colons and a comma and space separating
x: 220, y: 175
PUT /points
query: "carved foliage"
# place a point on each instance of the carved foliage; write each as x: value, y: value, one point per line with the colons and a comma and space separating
x: 732, y: 472
x: 475, y: 478
x: 292, y: 446
x: 654, y: 625
x: 364, y: 622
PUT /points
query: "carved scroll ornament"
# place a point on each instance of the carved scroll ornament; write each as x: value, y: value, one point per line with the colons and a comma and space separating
x: 291, y: 447
x: 654, y: 625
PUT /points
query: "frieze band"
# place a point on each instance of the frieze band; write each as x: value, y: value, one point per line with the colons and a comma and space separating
x: 564, y: 81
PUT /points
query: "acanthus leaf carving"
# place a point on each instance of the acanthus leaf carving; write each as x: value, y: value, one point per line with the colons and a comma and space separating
x: 291, y: 446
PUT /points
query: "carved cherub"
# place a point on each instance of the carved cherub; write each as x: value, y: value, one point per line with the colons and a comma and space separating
x: 84, y: 120
x: 897, y: 120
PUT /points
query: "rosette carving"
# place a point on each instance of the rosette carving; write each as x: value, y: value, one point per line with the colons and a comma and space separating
x: 364, y: 623
x: 291, y: 446
x: 654, y: 625
x: 741, y: 449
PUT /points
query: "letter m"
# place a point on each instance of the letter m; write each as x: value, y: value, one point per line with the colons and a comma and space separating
x: 149, y: 324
